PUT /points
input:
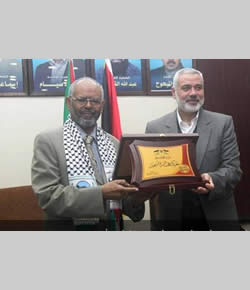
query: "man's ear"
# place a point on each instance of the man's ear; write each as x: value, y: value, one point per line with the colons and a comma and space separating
x: 68, y: 100
x: 173, y: 92
x: 103, y: 103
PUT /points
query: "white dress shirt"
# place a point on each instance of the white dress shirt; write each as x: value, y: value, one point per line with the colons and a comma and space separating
x: 185, y: 127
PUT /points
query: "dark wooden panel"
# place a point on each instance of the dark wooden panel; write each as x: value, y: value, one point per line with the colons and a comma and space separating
x: 227, y: 90
x: 19, y: 210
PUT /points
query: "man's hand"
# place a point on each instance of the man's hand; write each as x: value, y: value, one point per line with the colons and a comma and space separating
x: 209, y: 185
x: 117, y: 189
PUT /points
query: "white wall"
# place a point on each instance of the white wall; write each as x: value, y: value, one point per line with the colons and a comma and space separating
x: 22, y: 118
x: 137, y: 111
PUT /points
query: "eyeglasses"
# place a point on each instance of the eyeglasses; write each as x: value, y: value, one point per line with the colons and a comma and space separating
x: 84, y: 101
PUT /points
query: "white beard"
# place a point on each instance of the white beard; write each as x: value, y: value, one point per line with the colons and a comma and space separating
x: 186, y: 107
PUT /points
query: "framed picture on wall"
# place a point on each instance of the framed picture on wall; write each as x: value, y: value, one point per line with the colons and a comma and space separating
x: 129, y: 75
x: 48, y: 77
x: 13, y: 77
x: 160, y: 73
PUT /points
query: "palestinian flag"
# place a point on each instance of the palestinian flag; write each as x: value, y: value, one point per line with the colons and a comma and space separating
x: 111, y: 123
x: 111, y: 115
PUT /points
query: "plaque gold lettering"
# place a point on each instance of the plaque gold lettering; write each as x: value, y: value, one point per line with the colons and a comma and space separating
x: 155, y: 162
x: 160, y: 162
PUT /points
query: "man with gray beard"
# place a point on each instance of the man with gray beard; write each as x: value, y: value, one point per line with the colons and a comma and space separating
x: 72, y: 169
x: 211, y: 207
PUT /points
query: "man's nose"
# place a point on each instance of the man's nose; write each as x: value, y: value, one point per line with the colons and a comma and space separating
x: 193, y: 91
x: 88, y: 104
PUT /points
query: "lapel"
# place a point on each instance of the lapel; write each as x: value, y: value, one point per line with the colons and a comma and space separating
x: 204, y: 129
x: 170, y: 123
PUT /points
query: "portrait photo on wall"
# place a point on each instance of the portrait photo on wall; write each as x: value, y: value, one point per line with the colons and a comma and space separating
x: 13, y: 77
x: 162, y: 71
x: 128, y: 75
x: 49, y: 76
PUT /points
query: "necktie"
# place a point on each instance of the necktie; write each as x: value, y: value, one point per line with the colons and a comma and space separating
x: 88, y: 143
x: 115, y: 217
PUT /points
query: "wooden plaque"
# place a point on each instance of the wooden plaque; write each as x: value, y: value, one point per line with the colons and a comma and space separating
x: 154, y: 162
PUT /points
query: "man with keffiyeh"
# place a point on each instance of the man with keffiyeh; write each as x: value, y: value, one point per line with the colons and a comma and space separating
x: 72, y: 168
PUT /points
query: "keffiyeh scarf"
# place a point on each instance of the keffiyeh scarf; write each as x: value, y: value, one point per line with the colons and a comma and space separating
x: 79, y: 164
x: 77, y: 158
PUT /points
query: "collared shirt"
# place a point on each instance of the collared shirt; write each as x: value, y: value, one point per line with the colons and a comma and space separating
x: 184, y: 126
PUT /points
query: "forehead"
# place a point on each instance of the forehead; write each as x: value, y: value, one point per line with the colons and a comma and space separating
x: 167, y: 59
x: 87, y: 89
x: 189, y: 79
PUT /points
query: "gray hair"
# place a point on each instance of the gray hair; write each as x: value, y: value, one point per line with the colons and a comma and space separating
x: 86, y: 80
x: 183, y: 71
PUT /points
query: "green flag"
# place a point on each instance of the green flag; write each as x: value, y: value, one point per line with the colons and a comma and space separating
x: 70, y: 80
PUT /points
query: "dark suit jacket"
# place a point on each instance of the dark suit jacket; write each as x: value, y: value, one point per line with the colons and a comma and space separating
x: 43, y: 72
x: 217, y: 153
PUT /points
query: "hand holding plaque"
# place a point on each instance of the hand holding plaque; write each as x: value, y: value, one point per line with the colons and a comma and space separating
x: 159, y: 162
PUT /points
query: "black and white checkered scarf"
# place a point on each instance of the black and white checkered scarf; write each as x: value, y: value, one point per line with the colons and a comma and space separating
x: 77, y: 158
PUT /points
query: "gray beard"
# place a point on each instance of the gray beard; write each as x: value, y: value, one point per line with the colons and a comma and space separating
x: 191, y: 109
x: 84, y: 124
x: 188, y: 108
